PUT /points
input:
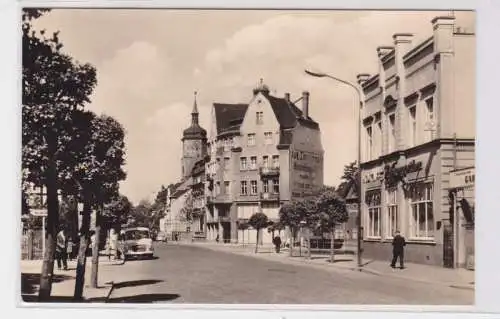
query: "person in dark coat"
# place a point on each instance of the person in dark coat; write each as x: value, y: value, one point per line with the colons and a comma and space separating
x: 277, y: 243
x: 398, y: 244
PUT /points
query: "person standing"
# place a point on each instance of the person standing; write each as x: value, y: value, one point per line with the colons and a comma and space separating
x: 113, y: 242
x: 61, y: 249
x: 398, y: 244
x: 70, y: 249
x: 277, y: 243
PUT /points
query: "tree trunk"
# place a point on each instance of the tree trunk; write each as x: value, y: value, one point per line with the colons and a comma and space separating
x: 332, y: 247
x: 95, y: 249
x: 257, y: 241
x: 82, y: 253
x: 52, y: 224
x: 292, y: 240
x: 308, y: 244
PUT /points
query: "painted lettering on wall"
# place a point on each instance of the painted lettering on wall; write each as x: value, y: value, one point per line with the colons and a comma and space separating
x: 307, y: 172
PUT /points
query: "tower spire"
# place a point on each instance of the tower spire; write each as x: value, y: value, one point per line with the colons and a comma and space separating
x: 194, y: 113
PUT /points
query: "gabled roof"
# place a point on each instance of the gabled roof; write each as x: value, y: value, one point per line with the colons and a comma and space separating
x: 226, y: 115
x: 230, y: 116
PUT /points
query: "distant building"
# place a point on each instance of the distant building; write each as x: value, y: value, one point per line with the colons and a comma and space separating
x: 261, y: 155
x: 194, y: 151
x: 418, y: 125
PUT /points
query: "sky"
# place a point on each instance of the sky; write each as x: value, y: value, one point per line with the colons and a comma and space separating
x: 149, y: 63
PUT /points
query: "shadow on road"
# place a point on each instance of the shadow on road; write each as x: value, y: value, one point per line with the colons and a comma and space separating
x: 135, y: 283
x: 61, y: 299
x: 144, y: 298
x: 30, y: 282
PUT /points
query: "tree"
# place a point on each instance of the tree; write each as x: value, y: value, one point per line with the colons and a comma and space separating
x: 54, y: 85
x: 290, y: 216
x: 187, y: 212
x: 258, y: 221
x: 332, y: 211
x: 243, y: 227
x: 116, y: 213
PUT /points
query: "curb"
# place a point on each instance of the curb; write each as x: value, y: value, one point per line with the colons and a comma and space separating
x: 359, y: 269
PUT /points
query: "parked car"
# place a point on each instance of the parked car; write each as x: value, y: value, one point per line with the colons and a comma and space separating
x: 137, y: 243
x: 161, y: 236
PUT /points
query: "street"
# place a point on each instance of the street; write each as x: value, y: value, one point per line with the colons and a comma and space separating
x: 189, y: 274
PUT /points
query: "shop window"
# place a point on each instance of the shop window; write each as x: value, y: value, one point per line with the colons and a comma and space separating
x: 392, y: 213
x: 421, y: 211
x: 372, y: 200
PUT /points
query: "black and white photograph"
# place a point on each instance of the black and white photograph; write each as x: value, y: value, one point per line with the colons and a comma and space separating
x: 230, y: 156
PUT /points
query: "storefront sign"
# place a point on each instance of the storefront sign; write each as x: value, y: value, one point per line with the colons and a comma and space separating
x: 463, y: 178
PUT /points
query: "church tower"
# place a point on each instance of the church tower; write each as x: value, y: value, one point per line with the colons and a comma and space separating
x: 194, y: 143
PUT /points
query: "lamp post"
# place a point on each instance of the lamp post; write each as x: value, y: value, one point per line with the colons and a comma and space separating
x: 358, y: 176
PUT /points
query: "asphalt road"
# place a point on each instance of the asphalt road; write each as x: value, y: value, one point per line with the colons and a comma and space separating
x: 186, y: 274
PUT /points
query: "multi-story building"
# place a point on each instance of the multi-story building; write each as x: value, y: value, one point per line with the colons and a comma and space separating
x: 418, y: 124
x: 198, y: 200
x: 261, y: 154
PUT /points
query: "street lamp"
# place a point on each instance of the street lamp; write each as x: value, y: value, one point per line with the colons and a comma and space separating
x: 358, y: 176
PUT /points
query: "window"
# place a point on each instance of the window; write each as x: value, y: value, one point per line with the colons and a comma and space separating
x: 251, y: 139
x: 265, y: 186
x: 276, y: 161
x: 253, y: 162
x: 243, y: 163
x: 226, y: 163
x: 276, y: 185
x: 253, y: 187
x: 430, y: 124
x: 392, y: 133
x: 268, y: 138
x: 244, y: 188
x: 217, y: 188
x: 421, y: 211
x: 413, y: 125
x: 265, y: 161
x: 369, y: 143
x: 378, y: 141
x: 372, y: 200
x: 392, y: 213
x: 227, y: 190
x: 259, y: 116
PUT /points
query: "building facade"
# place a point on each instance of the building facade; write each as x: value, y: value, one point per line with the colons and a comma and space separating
x: 261, y: 155
x: 418, y: 124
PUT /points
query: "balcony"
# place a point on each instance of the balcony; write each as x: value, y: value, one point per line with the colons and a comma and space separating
x: 269, y: 197
x: 219, y: 199
x: 269, y: 171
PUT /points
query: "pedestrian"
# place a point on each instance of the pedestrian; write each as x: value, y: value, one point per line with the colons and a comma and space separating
x: 398, y: 244
x: 113, y: 242
x: 217, y: 238
x: 277, y: 243
x: 70, y: 249
x: 61, y: 249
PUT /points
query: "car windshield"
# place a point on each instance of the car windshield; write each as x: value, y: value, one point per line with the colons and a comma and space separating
x: 136, y: 234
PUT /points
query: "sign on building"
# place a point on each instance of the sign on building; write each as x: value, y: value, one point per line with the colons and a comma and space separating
x: 462, y: 178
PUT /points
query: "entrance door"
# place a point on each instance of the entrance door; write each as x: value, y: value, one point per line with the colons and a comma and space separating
x: 226, y: 232
x: 448, y: 246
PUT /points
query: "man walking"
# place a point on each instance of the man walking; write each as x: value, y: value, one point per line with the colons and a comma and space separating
x: 61, y: 250
x: 277, y: 243
x: 398, y: 244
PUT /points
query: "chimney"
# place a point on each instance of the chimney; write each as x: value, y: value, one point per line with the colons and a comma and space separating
x: 362, y: 78
x: 287, y: 97
x: 305, y: 104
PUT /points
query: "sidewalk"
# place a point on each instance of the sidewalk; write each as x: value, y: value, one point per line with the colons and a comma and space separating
x: 63, y: 282
x: 456, y: 278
